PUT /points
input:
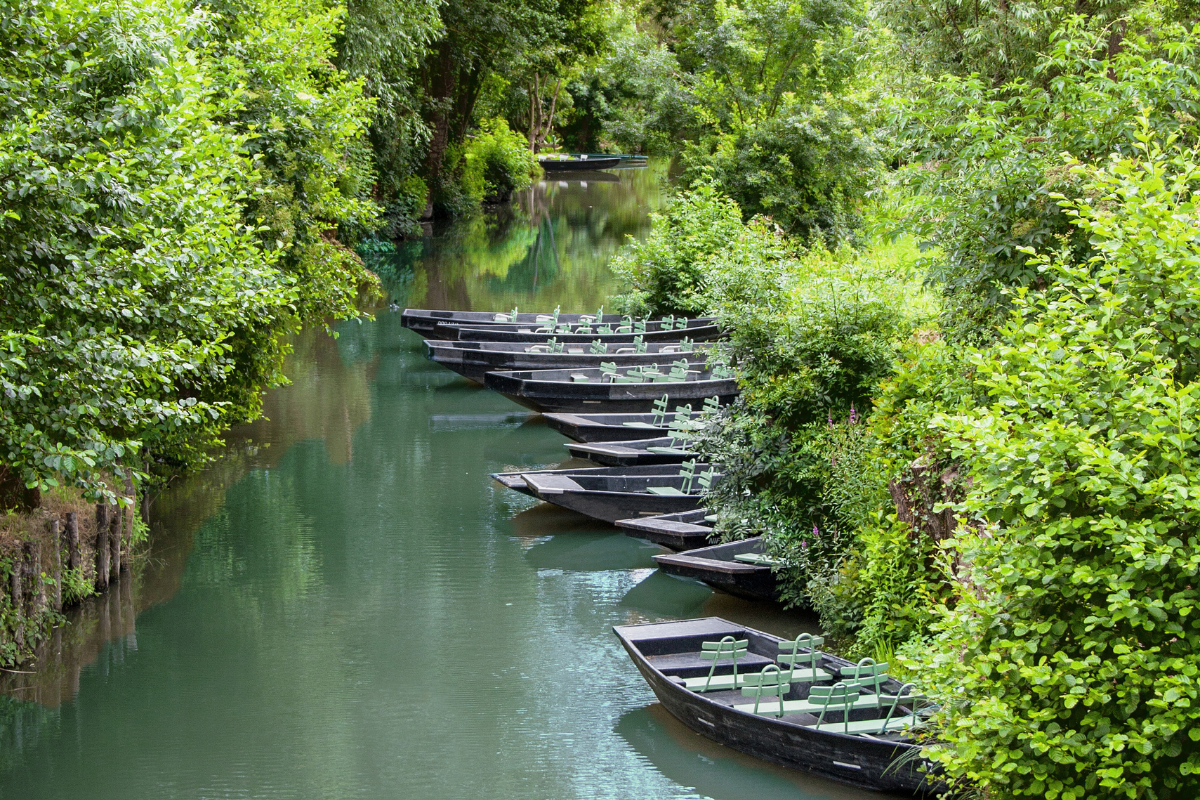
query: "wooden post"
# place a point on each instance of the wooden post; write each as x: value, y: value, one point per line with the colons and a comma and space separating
x: 18, y: 602
x: 116, y: 518
x: 128, y: 515
x: 56, y: 562
x: 72, y: 540
x: 102, y: 552
x: 37, y: 600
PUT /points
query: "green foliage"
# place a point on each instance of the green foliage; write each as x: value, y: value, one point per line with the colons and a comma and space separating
x: 173, y: 183
x: 669, y: 272
x: 1067, y: 666
x: 807, y: 168
x: 987, y: 159
x: 498, y: 162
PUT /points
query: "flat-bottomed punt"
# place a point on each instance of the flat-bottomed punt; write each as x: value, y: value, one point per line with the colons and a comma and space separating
x: 698, y: 330
x: 854, y: 731
x: 686, y: 531
x: 578, y: 391
x: 589, y: 427
x: 613, y: 493
x: 426, y: 321
x: 639, y: 452
x: 577, y: 164
x: 473, y: 360
x: 738, y: 568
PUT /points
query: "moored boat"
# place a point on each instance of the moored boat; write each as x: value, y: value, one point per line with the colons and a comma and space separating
x: 613, y: 493
x: 425, y: 321
x: 577, y: 163
x: 617, y: 390
x: 473, y: 360
x: 738, y: 568
x: 589, y: 427
x: 661, y: 450
x: 855, y: 731
x: 686, y: 531
x: 701, y: 329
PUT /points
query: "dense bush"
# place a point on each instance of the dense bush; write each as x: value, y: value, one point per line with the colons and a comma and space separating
x: 987, y: 158
x: 489, y: 167
x: 1068, y: 667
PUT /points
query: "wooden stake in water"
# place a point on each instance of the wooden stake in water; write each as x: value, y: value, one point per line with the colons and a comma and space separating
x: 18, y: 602
x: 102, y: 551
x: 72, y: 540
x: 56, y: 562
x: 117, y: 517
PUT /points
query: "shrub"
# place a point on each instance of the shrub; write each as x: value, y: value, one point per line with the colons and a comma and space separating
x: 1067, y: 666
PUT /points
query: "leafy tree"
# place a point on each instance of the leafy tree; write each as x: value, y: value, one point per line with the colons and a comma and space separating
x: 1067, y: 667
x: 139, y: 310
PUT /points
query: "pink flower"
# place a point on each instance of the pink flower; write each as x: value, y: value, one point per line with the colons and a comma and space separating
x: 815, y: 531
x: 853, y: 415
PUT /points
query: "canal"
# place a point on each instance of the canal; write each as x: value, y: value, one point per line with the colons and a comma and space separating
x: 345, y: 606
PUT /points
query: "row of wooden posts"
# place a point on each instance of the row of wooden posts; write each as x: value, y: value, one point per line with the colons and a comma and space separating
x: 30, y: 593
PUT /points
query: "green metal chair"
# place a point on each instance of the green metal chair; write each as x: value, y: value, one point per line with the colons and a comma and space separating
x: 598, y: 348
x: 772, y: 682
x: 728, y: 649
x: 687, y: 472
x: 658, y: 418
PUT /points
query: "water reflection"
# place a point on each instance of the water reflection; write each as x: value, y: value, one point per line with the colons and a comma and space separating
x: 551, y: 248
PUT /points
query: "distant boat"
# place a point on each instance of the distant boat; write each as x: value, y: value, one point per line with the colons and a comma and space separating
x: 578, y: 163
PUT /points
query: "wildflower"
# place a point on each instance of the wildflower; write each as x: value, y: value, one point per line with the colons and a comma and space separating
x: 815, y: 531
x: 853, y: 415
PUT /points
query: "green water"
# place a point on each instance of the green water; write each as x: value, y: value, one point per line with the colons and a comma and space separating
x: 345, y: 606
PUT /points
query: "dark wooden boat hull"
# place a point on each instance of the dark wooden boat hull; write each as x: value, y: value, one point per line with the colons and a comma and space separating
x: 604, y: 427
x: 715, y: 566
x: 872, y: 764
x: 678, y: 532
x: 473, y: 361
x: 627, y: 454
x: 578, y: 165
x: 541, y: 390
x: 625, y: 496
x: 431, y: 323
x: 500, y: 333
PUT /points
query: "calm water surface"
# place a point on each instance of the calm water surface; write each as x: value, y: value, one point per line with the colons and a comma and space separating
x: 345, y: 606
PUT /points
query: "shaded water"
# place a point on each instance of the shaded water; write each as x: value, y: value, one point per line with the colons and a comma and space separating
x: 347, y: 607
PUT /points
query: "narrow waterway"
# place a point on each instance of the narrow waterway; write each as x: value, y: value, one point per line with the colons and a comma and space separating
x: 345, y: 606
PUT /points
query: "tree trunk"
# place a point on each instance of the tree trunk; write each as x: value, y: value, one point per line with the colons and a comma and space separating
x: 102, y: 552
x: 441, y: 89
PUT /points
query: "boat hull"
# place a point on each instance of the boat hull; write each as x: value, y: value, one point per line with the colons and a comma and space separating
x: 635, y: 454
x: 612, y: 506
x: 550, y: 394
x: 474, y: 363
x: 715, y: 566
x: 678, y: 532
x: 501, y: 333
x: 579, y: 165
x: 438, y: 324
x: 871, y: 764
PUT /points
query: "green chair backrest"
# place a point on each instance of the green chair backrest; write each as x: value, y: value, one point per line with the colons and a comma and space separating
x: 770, y: 683
x: 598, y: 348
x: 907, y: 696
x: 681, y: 323
x: 688, y: 473
x: 584, y: 327
x: 686, y: 345
x: 721, y: 372
x: 790, y: 651
x: 668, y: 322
x: 867, y: 673
x: 639, y: 326
x: 683, y: 414
x: 606, y: 328
x: 836, y: 698
x: 711, y: 404
x: 727, y: 648
x: 608, y: 367
x: 639, y: 344
x: 705, y: 479
x: 660, y: 411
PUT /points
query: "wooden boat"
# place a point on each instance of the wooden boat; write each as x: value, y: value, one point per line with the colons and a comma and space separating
x: 719, y: 566
x: 668, y: 653
x: 613, y: 493
x: 425, y: 321
x: 574, y: 164
x: 473, y: 360
x: 612, y: 427
x: 685, y: 531
x: 662, y: 450
x: 701, y: 329
x: 591, y: 389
